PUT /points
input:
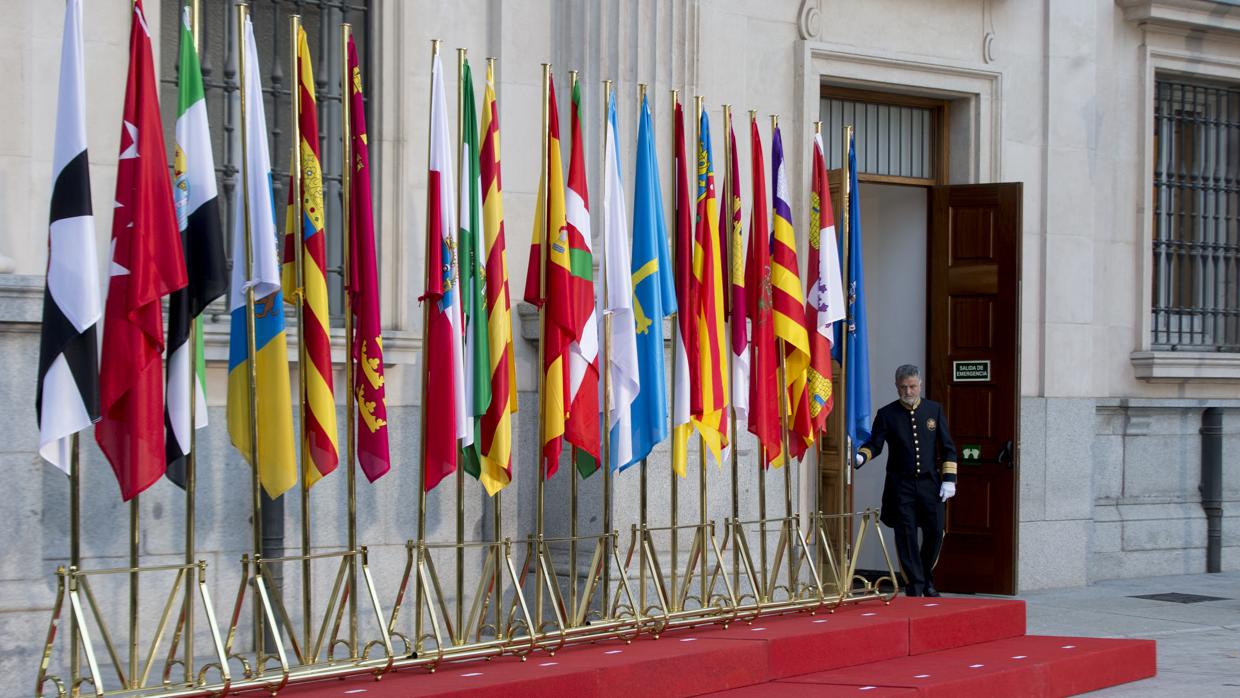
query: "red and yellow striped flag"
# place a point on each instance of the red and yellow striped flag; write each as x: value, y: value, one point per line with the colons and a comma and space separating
x: 709, y: 401
x: 496, y: 470
x: 789, y: 304
x: 319, y: 452
x: 552, y: 294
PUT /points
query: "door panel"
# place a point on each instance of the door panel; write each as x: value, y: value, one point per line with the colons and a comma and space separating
x: 974, y: 317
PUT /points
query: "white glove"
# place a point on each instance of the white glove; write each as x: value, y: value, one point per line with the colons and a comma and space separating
x: 859, y: 460
x: 947, y: 490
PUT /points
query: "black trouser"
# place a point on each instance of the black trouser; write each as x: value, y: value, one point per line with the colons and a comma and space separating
x: 918, y: 507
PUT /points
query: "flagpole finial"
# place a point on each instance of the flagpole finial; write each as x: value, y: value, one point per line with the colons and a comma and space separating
x: 753, y: 114
x: 434, y: 47
x: 697, y: 104
x: 641, y: 91
x: 817, y: 128
x: 774, y: 121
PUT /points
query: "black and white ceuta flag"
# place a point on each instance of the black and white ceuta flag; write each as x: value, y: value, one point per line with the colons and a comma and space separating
x: 203, y: 243
x: 67, y: 399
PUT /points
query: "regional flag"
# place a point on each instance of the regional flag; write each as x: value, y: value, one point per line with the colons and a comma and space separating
x: 685, y: 363
x: 67, y: 396
x: 548, y: 286
x: 319, y: 449
x: 857, y: 372
x: 737, y: 308
x: 764, y: 417
x: 147, y: 264
x: 277, y: 464
x: 472, y: 268
x: 497, y: 422
x: 581, y: 427
x: 654, y: 295
x: 362, y: 287
x: 824, y: 299
x: 788, y: 304
x: 623, y: 367
x: 707, y: 299
x: 202, y: 240
x: 444, y: 376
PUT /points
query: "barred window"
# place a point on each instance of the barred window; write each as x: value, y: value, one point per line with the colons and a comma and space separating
x: 900, y: 138
x: 1196, y: 274
x: 218, y: 36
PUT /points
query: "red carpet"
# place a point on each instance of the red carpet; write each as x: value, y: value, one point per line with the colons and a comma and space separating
x: 914, y: 647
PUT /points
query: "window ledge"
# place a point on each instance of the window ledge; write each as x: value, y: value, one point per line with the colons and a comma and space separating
x: 1198, y: 15
x: 1185, y: 366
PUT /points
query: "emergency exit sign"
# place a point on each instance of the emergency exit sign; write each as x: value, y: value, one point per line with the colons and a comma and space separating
x: 971, y: 371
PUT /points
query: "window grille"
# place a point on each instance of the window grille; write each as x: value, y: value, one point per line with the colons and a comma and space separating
x: 1196, y: 274
x: 218, y: 35
x: 892, y: 140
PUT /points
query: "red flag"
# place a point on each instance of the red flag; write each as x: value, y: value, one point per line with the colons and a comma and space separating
x: 363, y: 289
x: 764, y: 362
x: 147, y: 264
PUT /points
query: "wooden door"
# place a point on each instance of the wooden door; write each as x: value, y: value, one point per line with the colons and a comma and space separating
x: 973, y: 369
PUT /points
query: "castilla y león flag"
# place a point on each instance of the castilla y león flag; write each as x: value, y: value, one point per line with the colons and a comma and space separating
x: 147, y: 264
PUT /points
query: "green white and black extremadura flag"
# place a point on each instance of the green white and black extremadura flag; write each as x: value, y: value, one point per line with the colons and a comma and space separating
x: 201, y: 238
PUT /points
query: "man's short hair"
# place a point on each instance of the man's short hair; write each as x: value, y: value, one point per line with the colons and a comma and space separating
x: 907, y: 371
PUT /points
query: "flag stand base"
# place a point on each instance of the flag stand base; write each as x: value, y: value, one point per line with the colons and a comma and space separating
x: 74, y: 583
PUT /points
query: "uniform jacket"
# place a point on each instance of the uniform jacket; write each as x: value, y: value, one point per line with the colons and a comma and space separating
x: 920, y: 444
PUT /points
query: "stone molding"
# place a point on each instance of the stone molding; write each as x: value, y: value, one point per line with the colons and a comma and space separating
x: 1183, y: 366
x: 1194, y: 15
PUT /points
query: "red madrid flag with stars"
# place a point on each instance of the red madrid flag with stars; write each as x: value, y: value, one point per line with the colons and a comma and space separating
x: 146, y: 265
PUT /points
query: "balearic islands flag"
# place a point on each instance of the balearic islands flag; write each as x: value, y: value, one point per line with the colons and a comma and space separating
x: 147, y: 264
x: 202, y: 240
x: 277, y: 464
x: 710, y: 406
x: 444, y: 376
x: 788, y: 303
x: 362, y: 285
x: 67, y: 396
x: 497, y: 422
x: 622, y: 368
x: 319, y: 450
x: 582, y: 426
x: 824, y: 300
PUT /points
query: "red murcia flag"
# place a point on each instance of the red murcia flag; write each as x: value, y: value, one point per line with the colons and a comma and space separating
x: 147, y: 264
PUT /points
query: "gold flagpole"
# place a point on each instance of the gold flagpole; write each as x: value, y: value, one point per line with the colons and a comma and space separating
x: 419, y: 591
x: 299, y: 262
x: 251, y: 348
x: 542, y: 342
x: 729, y: 187
x: 75, y: 543
x: 697, y: 111
x: 763, y: 592
x: 572, y: 474
x: 460, y: 470
x: 191, y: 474
x: 845, y: 441
x: 496, y: 508
x: 350, y: 406
x: 784, y: 408
x: 606, y: 435
x: 133, y: 592
x: 674, y: 510
x: 641, y: 558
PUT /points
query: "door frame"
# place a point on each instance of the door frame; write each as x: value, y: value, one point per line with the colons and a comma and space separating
x: 976, y: 107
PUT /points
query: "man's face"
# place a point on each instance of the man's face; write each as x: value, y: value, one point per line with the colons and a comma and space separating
x: 910, y: 390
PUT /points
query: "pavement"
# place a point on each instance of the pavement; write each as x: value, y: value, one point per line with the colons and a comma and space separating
x: 1198, y: 643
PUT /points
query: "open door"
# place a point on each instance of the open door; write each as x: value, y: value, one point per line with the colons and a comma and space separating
x: 972, y: 368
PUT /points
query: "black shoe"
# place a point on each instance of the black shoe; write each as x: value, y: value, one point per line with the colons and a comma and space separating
x: 932, y: 592
x: 912, y: 590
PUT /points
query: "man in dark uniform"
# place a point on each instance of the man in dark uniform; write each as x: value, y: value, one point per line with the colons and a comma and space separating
x: 915, y: 492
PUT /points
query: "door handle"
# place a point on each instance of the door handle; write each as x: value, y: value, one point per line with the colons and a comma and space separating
x: 1005, y: 455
